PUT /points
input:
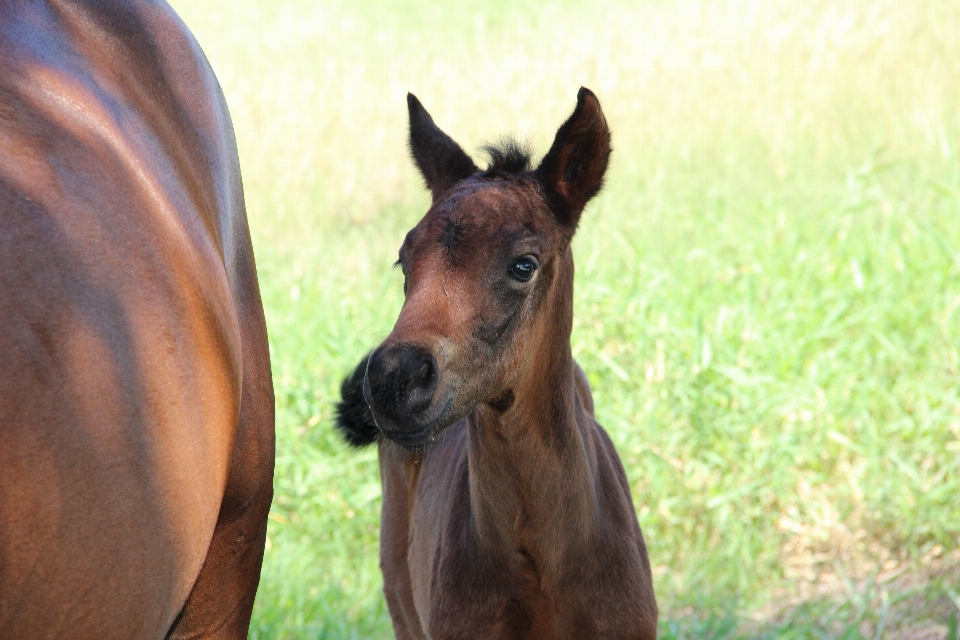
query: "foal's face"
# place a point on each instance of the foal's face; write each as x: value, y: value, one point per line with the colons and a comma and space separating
x: 478, y: 270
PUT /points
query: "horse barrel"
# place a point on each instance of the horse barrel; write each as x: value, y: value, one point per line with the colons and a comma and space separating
x: 136, y: 403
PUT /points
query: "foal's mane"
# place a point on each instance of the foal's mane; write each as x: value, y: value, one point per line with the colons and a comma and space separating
x: 508, y: 158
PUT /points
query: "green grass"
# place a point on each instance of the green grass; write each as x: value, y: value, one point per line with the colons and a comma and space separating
x: 767, y: 294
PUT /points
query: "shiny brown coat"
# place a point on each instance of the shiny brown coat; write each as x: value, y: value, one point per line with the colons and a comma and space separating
x: 136, y: 404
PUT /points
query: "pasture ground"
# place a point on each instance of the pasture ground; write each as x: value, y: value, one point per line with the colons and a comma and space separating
x: 767, y: 294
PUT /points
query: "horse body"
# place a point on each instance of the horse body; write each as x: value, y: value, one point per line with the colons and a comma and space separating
x: 136, y: 405
x: 506, y: 511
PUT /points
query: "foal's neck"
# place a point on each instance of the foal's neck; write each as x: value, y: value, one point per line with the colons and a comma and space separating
x: 531, y: 480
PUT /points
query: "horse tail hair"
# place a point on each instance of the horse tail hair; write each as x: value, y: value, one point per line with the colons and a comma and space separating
x: 354, y: 420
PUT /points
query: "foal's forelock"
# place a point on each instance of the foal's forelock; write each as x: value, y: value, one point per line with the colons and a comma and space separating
x: 508, y: 158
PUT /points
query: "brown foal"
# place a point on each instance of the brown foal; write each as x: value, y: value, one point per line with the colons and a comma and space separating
x: 506, y: 511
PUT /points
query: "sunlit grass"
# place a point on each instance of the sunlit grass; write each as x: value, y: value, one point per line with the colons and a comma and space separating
x: 767, y: 295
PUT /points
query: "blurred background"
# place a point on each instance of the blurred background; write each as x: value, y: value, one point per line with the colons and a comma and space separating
x: 767, y: 295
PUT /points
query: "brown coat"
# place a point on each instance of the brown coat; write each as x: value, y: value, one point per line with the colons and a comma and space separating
x: 136, y: 404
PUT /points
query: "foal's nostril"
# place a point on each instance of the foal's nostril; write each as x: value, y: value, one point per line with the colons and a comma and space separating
x: 425, y: 374
x: 422, y: 383
x: 416, y: 380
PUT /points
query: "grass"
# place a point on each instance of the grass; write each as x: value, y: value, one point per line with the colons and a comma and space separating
x: 767, y: 295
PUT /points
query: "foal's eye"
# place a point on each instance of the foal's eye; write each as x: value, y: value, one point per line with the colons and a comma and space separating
x: 523, y: 268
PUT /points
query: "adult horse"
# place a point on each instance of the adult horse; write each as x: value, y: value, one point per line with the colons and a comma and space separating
x: 136, y: 405
x: 506, y: 511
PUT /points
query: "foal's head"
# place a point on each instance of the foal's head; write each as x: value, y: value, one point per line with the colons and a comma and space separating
x: 488, y: 275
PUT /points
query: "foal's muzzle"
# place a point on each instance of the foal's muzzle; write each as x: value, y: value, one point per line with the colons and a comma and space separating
x: 399, y: 387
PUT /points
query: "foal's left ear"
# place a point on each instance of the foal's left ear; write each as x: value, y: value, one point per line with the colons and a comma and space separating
x: 441, y: 160
x: 572, y: 171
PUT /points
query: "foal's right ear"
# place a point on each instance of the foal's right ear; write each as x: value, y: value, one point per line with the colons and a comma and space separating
x: 441, y: 160
x: 572, y: 171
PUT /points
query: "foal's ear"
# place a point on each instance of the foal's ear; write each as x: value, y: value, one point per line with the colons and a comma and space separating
x: 441, y: 160
x: 572, y: 171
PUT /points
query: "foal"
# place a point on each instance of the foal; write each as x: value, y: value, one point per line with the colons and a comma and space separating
x: 506, y: 511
